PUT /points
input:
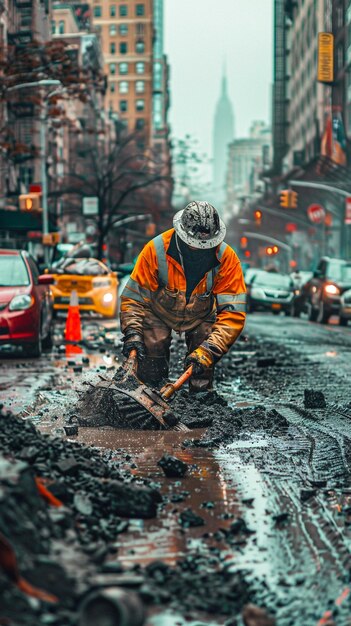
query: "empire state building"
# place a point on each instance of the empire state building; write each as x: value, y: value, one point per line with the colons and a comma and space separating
x: 223, y: 134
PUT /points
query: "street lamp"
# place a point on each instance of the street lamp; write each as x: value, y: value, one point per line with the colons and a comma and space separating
x: 43, y: 118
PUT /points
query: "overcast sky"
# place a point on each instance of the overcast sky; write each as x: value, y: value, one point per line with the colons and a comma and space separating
x: 199, y: 35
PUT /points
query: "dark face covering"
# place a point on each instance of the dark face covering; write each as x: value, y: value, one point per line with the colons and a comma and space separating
x: 196, y: 264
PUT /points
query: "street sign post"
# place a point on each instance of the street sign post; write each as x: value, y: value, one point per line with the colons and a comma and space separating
x: 316, y: 213
x: 348, y: 211
x: 90, y: 206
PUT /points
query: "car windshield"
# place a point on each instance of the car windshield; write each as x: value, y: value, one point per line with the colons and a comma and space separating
x: 13, y: 271
x: 339, y: 271
x: 83, y: 267
x: 273, y: 280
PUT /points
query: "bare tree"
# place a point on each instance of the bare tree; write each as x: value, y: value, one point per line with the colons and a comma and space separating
x: 118, y: 175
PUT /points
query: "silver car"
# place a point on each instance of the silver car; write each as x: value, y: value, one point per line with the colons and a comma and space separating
x: 271, y: 291
x: 345, y: 308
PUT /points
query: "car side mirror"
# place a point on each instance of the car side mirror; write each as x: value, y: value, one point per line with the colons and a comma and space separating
x: 46, y: 279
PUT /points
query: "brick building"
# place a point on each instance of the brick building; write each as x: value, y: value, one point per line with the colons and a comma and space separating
x: 127, y: 32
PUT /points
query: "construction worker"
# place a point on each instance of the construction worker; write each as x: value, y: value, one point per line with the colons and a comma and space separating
x: 187, y: 280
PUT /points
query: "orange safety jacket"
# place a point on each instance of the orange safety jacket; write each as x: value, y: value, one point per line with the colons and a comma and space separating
x: 158, y: 285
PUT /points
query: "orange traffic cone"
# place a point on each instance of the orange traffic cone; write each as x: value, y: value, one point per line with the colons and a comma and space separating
x: 73, y: 330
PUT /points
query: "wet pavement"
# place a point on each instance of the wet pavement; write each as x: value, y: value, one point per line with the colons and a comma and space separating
x: 271, y: 459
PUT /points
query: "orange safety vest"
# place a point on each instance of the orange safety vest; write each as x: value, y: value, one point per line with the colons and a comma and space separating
x: 158, y: 285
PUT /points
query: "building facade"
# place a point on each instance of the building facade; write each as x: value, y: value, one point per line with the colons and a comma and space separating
x: 223, y: 134
x: 248, y: 157
x: 127, y: 34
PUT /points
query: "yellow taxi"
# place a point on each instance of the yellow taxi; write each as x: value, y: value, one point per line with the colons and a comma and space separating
x: 94, y: 283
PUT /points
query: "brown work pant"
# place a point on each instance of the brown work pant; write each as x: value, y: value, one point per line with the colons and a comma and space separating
x: 157, y: 339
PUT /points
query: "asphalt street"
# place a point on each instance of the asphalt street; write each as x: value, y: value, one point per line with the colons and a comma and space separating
x: 278, y: 458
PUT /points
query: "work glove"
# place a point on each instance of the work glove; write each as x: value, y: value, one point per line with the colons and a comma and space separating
x: 132, y: 340
x: 200, y: 359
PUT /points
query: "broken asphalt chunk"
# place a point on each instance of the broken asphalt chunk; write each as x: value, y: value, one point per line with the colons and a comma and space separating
x: 189, y: 519
x: 314, y: 399
x: 172, y: 467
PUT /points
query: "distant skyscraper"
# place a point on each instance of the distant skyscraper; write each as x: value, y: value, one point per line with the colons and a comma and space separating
x: 223, y: 134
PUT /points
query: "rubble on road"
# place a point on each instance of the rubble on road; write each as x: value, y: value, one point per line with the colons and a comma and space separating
x: 63, y: 527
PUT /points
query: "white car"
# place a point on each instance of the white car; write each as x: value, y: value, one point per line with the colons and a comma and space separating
x: 345, y: 308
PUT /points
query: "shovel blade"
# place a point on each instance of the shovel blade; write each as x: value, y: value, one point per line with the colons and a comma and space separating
x: 153, y: 403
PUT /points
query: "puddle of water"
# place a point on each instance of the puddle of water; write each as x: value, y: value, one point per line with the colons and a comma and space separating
x: 209, y: 494
x: 170, y: 618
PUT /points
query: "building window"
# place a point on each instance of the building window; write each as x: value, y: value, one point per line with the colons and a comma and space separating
x: 140, y: 105
x: 123, y: 10
x: 140, y: 29
x: 113, y: 29
x: 112, y: 48
x: 140, y: 67
x: 123, y: 29
x: 140, y: 124
x: 97, y: 11
x: 113, y: 10
x: 123, y: 86
x: 140, y: 47
x: 112, y: 88
x: 140, y: 10
x: 140, y: 86
x: 61, y: 27
x: 123, y: 106
x: 112, y: 68
x: 123, y: 68
x: 123, y: 47
x: 53, y: 27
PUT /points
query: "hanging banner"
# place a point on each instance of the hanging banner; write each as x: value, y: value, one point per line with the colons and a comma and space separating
x: 325, y: 58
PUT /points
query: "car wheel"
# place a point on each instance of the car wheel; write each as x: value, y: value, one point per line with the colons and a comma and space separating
x: 296, y: 312
x: 342, y: 321
x: 322, y: 315
x: 34, y: 349
x: 288, y: 312
x: 48, y: 341
x: 312, y: 313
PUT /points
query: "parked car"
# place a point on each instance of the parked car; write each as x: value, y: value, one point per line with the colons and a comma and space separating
x: 345, y: 308
x: 94, y: 282
x: 321, y: 294
x: 26, y: 303
x: 249, y: 276
x: 271, y: 291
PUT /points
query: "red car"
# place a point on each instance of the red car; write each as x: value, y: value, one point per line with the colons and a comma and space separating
x: 26, y: 303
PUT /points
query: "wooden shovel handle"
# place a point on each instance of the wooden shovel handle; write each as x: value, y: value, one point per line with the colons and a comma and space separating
x: 168, y: 390
x: 131, y: 364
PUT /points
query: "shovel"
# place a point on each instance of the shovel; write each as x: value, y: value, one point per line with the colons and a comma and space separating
x: 155, y: 402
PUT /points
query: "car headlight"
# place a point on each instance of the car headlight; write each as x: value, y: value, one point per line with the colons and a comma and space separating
x: 332, y: 290
x: 21, y: 303
x: 107, y: 298
x: 102, y: 282
x: 297, y: 292
x: 257, y: 293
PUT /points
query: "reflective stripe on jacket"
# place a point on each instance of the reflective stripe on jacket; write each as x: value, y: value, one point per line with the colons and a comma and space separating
x: 158, y: 284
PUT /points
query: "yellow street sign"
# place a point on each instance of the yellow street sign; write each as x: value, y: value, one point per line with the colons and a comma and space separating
x: 325, y: 58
